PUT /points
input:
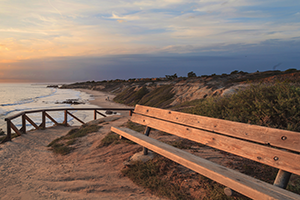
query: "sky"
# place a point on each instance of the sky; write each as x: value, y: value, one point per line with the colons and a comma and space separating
x: 79, y: 40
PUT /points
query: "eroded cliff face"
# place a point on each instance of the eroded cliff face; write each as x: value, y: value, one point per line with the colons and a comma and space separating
x: 192, y: 89
x: 187, y: 89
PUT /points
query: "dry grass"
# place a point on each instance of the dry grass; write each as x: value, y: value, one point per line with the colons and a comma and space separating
x: 63, y: 145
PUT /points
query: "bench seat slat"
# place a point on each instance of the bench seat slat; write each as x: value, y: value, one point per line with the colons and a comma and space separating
x: 244, y: 184
x: 280, y: 138
x: 257, y: 152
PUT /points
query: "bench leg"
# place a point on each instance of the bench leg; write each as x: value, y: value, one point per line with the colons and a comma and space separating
x: 147, y: 132
x: 282, y: 179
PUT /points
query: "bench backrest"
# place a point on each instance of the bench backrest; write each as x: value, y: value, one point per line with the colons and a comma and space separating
x: 273, y: 147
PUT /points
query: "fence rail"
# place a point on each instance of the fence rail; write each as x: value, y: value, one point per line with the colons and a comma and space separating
x: 45, y: 114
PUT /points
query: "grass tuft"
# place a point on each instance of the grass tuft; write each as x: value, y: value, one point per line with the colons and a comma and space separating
x: 113, y: 138
x: 134, y: 126
x: 109, y: 139
x: 149, y: 175
x: 62, y: 145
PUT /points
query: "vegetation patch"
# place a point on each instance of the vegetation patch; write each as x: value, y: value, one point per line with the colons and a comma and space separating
x: 63, y: 144
x: 168, y: 179
x: 134, y: 126
x: 83, y: 131
x: 113, y: 138
x: 275, y: 106
x: 149, y: 175
x: 109, y: 139
x: 61, y: 149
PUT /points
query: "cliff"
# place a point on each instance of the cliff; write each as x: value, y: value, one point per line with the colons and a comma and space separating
x: 170, y: 92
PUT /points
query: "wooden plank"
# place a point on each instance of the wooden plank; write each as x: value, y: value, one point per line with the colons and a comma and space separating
x: 31, y: 122
x: 244, y: 184
x: 49, y: 117
x: 75, y: 117
x: 275, y: 137
x: 270, y: 156
x: 15, y: 129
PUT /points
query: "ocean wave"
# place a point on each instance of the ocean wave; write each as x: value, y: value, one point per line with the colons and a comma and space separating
x: 26, y: 101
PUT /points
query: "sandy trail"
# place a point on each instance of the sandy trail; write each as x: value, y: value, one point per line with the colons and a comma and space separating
x: 29, y: 170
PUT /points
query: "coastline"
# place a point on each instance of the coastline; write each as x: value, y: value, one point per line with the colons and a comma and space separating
x: 100, y: 99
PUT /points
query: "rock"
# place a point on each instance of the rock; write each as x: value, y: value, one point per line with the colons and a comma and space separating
x: 71, y: 101
x: 139, y: 157
x: 109, y: 112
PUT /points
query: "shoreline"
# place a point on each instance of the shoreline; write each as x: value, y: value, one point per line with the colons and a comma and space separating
x: 100, y: 99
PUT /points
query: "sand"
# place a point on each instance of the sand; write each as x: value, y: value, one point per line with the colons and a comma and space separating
x: 29, y: 170
x: 103, y: 99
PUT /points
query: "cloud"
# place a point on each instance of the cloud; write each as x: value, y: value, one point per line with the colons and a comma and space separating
x: 126, y: 17
x: 121, y: 20
x: 38, y: 30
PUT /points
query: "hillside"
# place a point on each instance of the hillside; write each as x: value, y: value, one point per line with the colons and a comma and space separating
x: 173, y: 90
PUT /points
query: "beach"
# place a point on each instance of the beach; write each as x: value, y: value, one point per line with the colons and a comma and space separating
x: 29, y: 170
x: 103, y: 99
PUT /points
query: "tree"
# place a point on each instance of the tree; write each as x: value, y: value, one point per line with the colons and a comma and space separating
x: 171, y: 77
x: 191, y: 74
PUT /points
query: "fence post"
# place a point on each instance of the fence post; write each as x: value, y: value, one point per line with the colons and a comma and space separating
x: 23, y: 123
x: 95, y: 114
x: 66, y: 118
x: 8, y: 131
x: 43, y: 119
x: 130, y: 112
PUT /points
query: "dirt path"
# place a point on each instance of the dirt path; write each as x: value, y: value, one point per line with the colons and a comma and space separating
x: 29, y: 170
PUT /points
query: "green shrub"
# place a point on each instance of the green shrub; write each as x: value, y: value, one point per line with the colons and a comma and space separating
x: 83, y: 131
x: 274, y: 106
x: 61, y: 149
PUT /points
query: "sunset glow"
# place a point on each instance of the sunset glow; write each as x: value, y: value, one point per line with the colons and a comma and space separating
x: 88, y: 39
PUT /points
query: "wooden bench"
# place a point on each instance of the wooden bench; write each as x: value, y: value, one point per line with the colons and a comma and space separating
x: 273, y: 147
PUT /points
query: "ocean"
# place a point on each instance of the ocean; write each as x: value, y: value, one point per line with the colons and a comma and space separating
x: 15, y: 98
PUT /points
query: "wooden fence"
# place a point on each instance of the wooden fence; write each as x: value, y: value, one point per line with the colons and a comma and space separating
x: 45, y: 114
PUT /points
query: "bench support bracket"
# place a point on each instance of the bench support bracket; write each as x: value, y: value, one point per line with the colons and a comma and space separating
x: 282, y: 179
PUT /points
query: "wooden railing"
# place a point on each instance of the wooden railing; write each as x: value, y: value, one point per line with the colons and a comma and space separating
x: 45, y: 115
